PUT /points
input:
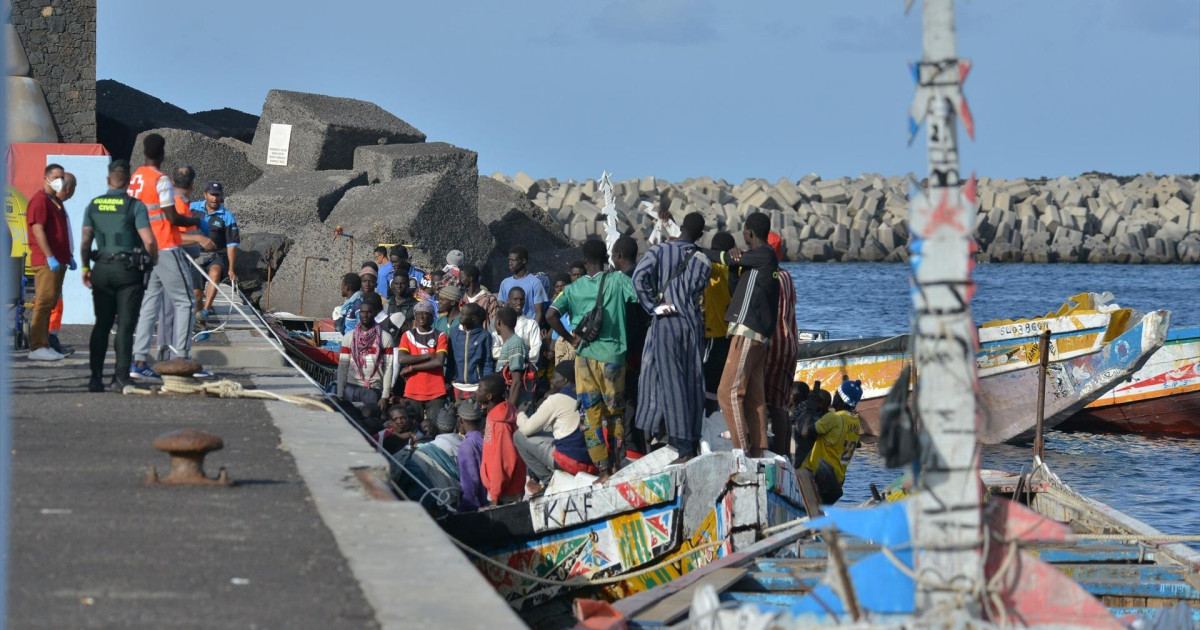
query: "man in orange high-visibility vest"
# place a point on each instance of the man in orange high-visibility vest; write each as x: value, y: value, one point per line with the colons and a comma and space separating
x: 171, y: 277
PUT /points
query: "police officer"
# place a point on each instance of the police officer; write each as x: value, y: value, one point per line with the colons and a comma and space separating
x: 125, y: 249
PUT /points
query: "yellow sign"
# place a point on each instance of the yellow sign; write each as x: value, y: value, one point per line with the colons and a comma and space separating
x: 14, y: 214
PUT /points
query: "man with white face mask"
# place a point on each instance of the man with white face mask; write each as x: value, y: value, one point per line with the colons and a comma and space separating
x: 49, y: 255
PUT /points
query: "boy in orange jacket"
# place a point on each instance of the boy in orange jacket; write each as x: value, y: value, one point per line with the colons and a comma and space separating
x: 502, y: 469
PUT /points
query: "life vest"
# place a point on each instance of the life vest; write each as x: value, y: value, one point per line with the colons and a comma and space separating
x: 144, y: 187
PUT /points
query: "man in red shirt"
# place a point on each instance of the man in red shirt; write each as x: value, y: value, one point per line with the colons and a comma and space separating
x: 502, y: 470
x: 49, y: 255
x: 421, y: 359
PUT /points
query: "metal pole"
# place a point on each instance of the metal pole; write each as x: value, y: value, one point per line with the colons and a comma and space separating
x: 946, y: 513
x: 304, y: 279
x: 5, y: 357
x: 1039, y: 445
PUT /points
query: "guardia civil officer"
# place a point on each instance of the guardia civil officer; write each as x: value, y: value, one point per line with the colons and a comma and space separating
x: 125, y: 250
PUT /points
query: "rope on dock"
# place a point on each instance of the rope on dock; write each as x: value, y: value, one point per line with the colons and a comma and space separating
x: 225, y: 389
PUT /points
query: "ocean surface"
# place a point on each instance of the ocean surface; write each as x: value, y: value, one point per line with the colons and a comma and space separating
x: 1153, y: 479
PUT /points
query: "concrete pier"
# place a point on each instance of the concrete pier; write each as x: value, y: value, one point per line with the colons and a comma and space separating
x: 297, y: 543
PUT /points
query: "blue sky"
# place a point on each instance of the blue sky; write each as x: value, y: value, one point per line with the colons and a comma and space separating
x: 684, y: 88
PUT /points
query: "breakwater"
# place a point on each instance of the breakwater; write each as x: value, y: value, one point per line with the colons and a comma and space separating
x: 1094, y: 218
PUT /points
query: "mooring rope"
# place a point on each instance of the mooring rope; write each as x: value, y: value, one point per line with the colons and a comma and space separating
x: 225, y: 389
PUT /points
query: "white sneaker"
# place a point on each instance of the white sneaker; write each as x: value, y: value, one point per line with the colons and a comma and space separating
x: 45, y: 354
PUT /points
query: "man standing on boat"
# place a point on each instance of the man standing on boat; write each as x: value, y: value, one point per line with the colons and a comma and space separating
x: 751, y: 316
x: 838, y: 435
x: 670, y: 281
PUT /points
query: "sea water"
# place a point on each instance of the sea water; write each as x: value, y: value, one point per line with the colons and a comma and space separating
x: 1154, y: 479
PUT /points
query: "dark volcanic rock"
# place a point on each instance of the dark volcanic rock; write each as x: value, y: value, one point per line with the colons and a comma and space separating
x: 284, y: 201
x: 214, y: 160
x: 123, y: 112
x: 258, y: 260
x: 230, y: 123
x: 326, y: 130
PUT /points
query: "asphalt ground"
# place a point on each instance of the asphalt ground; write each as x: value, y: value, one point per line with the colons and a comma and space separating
x: 93, y: 547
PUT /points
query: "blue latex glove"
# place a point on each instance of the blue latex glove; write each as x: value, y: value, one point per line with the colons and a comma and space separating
x: 72, y: 265
x: 53, y: 263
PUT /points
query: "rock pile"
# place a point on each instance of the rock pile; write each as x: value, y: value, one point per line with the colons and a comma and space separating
x: 1091, y: 218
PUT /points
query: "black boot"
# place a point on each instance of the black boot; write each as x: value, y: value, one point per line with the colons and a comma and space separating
x: 96, y: 384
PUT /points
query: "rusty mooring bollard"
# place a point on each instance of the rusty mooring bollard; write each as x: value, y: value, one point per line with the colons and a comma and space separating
x: 187, y: 449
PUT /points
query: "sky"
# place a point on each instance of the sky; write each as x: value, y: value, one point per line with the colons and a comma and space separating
x: 688, y: 88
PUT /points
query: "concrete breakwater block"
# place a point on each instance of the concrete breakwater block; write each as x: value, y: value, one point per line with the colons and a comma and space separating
x: 213, y: 160
x: 123, y: 112
x: 283, y: 201
x: 230, y: 123
x: 26, y: 116
x: 326, y: 130
x: 514, y: 220
x: 1094, y: 217
x: 383, y: 163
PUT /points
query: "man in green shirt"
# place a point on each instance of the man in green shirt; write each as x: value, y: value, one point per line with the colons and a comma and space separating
x: 600, y: 366
x: 125, y: 247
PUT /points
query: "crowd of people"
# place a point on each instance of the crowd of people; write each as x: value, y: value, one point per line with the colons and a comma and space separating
x: 136, y: 253
x: 485, y: 395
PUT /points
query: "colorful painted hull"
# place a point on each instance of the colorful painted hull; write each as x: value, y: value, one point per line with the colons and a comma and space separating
x: 304, y: 347
x: 649, y: 514
x: 1163, y: 397
x: 1085, y: 361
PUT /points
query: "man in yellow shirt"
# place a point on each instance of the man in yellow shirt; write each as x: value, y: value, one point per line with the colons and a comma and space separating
x: 838, y: 436
x: 717, y: 296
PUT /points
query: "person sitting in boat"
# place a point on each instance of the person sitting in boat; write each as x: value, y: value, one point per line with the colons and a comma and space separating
x: 346, y: 316
x: 433, y: 461
x: 808, y: 406
x: 501, y: 469
x: 838, y: 435
x: 552, y: 438
x: 470, y: 456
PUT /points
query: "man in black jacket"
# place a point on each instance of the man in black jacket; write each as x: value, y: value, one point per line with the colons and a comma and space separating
x: 751, y: 317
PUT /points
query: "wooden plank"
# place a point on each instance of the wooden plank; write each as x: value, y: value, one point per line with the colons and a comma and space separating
x: 629, y: 607
x: 675, y: 606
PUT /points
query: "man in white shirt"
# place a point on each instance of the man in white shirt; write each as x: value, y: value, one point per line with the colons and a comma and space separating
x: 527, y: 328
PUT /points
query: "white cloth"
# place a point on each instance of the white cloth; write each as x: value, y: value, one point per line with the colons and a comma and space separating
x: 559, y: 413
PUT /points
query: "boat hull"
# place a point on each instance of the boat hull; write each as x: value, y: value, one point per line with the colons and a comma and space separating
x: 671, y: 519
x: 1085, y: 363
x: 1163, y: 397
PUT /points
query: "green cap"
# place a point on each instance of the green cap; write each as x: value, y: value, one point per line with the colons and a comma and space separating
x: 118, y: 165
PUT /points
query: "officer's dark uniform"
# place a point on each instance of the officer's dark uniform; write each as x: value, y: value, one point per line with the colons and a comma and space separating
x: 117, y: 283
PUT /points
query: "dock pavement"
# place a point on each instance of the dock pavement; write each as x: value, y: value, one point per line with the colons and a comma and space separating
x: 295, y: 543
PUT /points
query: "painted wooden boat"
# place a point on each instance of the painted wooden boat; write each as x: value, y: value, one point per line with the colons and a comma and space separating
x: 1119, y: 568
x: 1163, y: 397
x: 1093, y: 347
x: 302, y: 336
x: 649, y: 514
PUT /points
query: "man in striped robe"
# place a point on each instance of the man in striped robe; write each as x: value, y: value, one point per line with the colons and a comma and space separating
x: 670, y: 281
x: 781, y: 366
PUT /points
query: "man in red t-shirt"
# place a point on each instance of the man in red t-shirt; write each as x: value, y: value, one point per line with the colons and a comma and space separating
x: 501, y: 469
x: 421, y: 359
x: 49, y: 255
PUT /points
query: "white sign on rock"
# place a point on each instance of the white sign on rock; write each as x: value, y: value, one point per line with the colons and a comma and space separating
x: 277, y: 145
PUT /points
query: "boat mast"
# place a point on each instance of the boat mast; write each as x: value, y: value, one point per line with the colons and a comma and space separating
x: 946, y: 519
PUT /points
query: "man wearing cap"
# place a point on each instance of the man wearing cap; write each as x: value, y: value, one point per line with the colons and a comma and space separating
x: 220, y: 226
x: 838, y: 436
x: 421, y: 359
x: 670, y: 281
x: 448, y: 299
x: 120, y: 227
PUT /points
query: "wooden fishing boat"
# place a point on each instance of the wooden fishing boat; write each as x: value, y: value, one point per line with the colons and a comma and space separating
x: 1093, y: 347
x: 303, y: 336
x: 1122, y: 569
x: 648, y: 524
x: 1163, y: 397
